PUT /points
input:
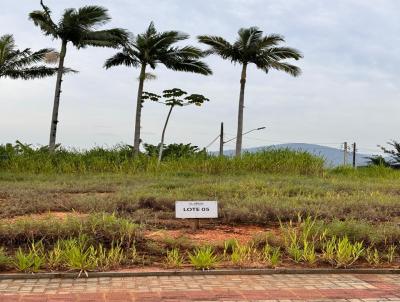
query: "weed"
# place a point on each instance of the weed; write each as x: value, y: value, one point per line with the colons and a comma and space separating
x: 272, y: 255
x: 229, y: 246
x: 109, y: 258
x: 372, y: 256
x: 55, y: 256
x: 243, y: 254
x: 4, y: 259
x: 79, y: 255
x: 173, y: 258
x: 308, y: 252
x: 203, y: 258
x: 347, y: 253
x: 329, y: 250
x: 390, y: 253
x: 32, y: 260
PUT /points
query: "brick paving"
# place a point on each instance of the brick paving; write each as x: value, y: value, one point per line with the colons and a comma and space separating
x: 234, y: 288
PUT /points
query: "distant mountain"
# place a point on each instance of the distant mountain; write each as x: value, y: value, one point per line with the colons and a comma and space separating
x: 333, y: 156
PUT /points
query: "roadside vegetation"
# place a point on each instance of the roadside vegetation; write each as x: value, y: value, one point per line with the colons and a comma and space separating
x: 99, y: 209
x: 83, y: 210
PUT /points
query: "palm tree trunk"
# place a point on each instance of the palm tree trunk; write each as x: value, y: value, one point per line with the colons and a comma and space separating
x: 56, y: 104
x: 240, y: 113
x: 136, y: 142
x: 163, y: 135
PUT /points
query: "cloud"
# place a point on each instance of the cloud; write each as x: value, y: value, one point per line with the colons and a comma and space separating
x: 349, y: 89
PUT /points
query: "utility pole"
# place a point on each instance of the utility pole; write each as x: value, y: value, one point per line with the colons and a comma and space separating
x: 221, y: 141
x: 344, y: 153
x: 354, y: 155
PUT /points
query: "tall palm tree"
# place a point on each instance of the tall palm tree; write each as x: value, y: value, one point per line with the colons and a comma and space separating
x: 150, y: 49
x: 252, y: 47
x: 23, y: 64
x: 78, y: 26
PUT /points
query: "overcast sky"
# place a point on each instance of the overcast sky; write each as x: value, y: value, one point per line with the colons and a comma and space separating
x: 349, y: 89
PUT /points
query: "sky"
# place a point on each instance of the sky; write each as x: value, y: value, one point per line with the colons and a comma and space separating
x: 349, y: 89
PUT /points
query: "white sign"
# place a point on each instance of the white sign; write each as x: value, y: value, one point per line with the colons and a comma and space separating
x: 196, y: 209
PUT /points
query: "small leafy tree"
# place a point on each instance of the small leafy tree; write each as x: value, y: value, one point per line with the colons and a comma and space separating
x: 78, y: 27
x: 174, y: 150
x: 172, y: 98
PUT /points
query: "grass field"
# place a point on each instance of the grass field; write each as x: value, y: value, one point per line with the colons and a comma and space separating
x: 111, y: 204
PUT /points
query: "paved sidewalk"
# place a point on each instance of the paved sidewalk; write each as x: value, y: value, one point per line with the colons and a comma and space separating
x: 206, y: 288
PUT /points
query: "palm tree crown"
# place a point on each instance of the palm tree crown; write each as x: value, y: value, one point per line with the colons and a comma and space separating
x: 153, y: 48
x: 79, y: 26
x: 252, y: 47
x: 22, y: 64
x: 150, y: 49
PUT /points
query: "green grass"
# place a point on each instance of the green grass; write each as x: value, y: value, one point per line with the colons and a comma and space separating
x: 114, y: 194
x: 120, y: 160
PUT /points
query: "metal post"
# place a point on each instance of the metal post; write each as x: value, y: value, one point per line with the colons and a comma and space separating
x: 354, y: 155
x: 221, y: 141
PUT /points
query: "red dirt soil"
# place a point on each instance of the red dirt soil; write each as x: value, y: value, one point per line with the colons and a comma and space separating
x: 218, y: 234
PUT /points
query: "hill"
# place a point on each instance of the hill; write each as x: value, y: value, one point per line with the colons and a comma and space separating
x: 332, y: 156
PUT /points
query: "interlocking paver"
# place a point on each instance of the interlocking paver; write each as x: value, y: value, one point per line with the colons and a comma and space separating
x: 330, y: 287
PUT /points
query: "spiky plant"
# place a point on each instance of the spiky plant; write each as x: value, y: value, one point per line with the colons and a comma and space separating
x: 150, y: 49
x: 23, y: 64
x: 251, y: 47
x: 79, y: 27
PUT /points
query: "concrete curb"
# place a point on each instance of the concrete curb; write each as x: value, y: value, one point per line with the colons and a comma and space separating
x: 20, y: 276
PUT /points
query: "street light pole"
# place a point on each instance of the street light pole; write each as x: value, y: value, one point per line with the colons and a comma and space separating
x: 255, y: 129
x: 221, y: 141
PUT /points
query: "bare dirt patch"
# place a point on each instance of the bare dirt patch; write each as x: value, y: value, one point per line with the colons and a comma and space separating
x: 209, y: 236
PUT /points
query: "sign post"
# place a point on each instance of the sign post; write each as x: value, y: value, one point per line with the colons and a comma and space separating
x: 196, y: 210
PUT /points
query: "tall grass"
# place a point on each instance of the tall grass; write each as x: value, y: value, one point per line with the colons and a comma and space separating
x: 119, y: 159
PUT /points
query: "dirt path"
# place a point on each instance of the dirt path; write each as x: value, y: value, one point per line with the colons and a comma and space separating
x: 338, y: 287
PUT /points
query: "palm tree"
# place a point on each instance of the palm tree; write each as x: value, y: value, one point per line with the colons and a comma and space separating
x: 252, y: 47
x: 78, y: 26
x: 150, y: 49
x: 23, y: 64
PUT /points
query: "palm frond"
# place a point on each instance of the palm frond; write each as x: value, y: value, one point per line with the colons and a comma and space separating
x: 188, y: 65
x: 121, y: 58
x: 44, y: 22
x: 92, y: 16
x: 248, y: 37
x: 30, y: 73
x: 151, y: 30
x: 28, y: 58
x: 219, y: 46
x: 270, y: 40
x: 282, y: 53
x: 286, y: 67
x: 103, y: 38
